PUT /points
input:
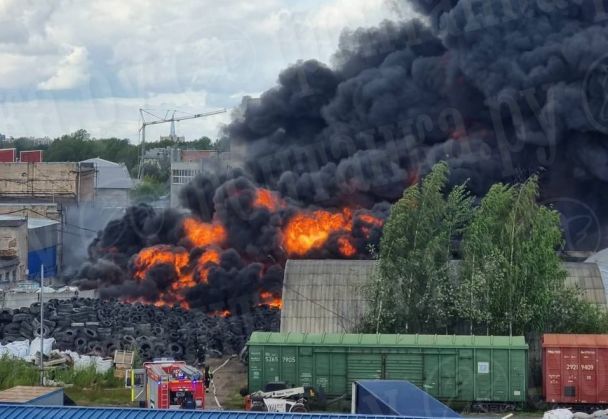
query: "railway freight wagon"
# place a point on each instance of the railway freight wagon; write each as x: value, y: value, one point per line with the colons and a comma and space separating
x: 480, y: 369
x: 575, y: 369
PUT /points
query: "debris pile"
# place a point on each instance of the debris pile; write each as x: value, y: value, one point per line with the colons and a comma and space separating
x: 97, y: 327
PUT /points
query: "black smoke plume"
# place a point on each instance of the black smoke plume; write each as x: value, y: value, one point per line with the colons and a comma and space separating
x: 500, y: 89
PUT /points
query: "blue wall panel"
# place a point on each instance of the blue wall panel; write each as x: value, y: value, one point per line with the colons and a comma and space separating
x: 46, y: 257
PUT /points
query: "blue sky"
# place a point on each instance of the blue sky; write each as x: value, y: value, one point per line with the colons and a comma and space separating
x: 70, y: 64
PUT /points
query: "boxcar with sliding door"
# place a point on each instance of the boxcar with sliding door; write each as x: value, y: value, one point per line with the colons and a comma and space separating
x: 454, y: 368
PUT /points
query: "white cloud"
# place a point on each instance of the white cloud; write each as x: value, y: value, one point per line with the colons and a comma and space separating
x: 72, y: 72
x: 106, y: 117
x: 93, y: 63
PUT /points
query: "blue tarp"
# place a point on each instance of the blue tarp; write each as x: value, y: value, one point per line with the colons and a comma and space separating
x: 401, y: 398
x: 54, y: 412
x: 46, y: 257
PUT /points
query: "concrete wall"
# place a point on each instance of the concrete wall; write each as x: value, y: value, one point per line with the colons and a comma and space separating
x: 112, y: 197
x: 67, y: 181
x: 8, y: 271
x: 13, y: 243
x: 32, y: 210
x: 13, y: 300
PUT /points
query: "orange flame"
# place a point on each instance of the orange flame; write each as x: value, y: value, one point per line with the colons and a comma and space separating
x: 210, y: 257
x: 158, y: 255
x: 271, y: 300
x: 345, y: 247
x: 265, y: 198
x: 370, y: 221
x: 310, y: 230
x: 221, y: 313
x: 203, y: 234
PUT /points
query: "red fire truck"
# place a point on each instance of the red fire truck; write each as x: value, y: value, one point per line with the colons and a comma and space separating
x: 171, y: 384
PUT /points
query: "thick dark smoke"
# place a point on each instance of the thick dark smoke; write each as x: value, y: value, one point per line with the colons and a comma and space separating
x: 499, y: 89
x: 495, y: 87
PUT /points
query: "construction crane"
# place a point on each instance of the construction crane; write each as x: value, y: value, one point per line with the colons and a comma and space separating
x: 168, y: 118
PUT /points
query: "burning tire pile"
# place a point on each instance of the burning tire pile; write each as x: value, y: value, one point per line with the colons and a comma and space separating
x: 90, y: 326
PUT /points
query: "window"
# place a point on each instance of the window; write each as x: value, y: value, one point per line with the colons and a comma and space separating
x: 15, y: 275
x: 183, y: 176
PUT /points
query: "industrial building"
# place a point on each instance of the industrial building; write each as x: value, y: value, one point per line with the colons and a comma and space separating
x: 26, y: 244
x: 113, y: 183
x: 13, y: 250
x: 50, y: 210
x: 324, y: 296
x: 327, y: 296
x: 186, y: 164
x: 67, y: 182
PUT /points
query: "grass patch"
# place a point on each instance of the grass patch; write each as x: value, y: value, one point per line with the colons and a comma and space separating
x: 16, y: 372
x: 99, y: 396
x: 234, y: 402
x: 88, y: 387
x: 87, y: 378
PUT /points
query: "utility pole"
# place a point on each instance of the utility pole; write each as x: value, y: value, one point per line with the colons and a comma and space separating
x: 168, y: 118
x: 42, y: 325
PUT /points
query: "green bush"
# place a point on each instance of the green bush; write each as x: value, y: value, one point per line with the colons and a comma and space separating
x: 14, y: 372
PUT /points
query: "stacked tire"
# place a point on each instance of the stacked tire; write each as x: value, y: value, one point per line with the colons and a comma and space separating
x: 91, y: 326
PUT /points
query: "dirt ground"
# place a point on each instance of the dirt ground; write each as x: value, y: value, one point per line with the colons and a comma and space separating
x: 229, y: 377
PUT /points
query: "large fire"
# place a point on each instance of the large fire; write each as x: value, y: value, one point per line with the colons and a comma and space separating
x: 265, y: 198
x: 203, y: 244
x: 203, y: 234
x: 307, y: 231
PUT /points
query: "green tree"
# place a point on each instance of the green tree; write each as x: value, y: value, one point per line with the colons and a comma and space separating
x: 512, y: 272
x: 510, y: 279
x: 77, y: 146
x: 148, y: 190
x: 203, y: 143
x: 413, y: 289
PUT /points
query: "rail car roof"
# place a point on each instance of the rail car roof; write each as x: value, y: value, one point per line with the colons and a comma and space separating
x: 341, y: 339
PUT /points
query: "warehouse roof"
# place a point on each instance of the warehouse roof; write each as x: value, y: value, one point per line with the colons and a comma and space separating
x: 327, y: 296
x: 58, y: 412
x: 26, y: 394
x: 31, y: 222
x: 588, y: 278
x: 111, y: 175
x: 324, y: 296
x: 457, y: 341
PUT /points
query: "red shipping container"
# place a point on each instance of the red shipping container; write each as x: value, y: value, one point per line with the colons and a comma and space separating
x: 575, y: 368
x: 8, y: 155
x: 30, y: 156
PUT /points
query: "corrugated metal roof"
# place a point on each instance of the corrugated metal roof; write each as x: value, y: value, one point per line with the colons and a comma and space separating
x: 31, y: 222
x: 327, y: 296
x: 588, y: 278
x: 324, y: 296
x: 459, y: 341
x: 58, y: 412
x: 554, y: 340
x: 111, y: 175
x: 24, y: 394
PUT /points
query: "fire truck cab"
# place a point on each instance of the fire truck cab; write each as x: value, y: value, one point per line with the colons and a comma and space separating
x: 171, y: 384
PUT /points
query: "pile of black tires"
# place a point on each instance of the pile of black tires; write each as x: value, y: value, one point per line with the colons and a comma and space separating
x: 90, y: 326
